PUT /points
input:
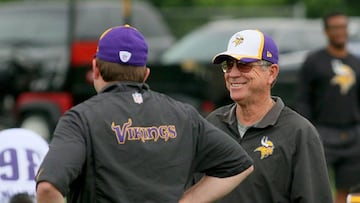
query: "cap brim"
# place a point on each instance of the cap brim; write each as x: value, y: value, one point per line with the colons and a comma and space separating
x: 219, y: 58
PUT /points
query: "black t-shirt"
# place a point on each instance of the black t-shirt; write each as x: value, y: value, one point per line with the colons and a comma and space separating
x: 131, y: 144
x: 328, y: 89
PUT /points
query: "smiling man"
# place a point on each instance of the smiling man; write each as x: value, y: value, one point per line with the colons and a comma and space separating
x: 288, y: 156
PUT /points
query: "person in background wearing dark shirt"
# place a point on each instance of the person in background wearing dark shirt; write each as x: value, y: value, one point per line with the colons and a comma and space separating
x: 329, y: 95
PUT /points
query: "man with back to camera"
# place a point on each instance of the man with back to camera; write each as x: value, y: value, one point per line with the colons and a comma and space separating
x: 328, y: 95
x: 289, y: 162
x: 131, y: 144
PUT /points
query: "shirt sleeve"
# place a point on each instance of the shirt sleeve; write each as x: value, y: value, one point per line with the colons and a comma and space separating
x: 218, y: 154
x: 66, y: 155
x: 311, y: 181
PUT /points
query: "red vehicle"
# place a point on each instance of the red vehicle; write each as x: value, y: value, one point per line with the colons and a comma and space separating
x: 46, y: 50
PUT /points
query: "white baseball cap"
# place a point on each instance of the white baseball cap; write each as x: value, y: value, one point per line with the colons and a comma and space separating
x: 249, y: 46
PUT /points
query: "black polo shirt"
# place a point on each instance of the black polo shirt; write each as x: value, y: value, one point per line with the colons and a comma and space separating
x: 131, y: 144
x: 288, y: 158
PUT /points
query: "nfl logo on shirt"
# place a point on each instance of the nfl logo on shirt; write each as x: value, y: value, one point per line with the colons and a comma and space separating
x: 137, y: 98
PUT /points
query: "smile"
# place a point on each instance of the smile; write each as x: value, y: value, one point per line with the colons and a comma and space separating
x: 236, y: 84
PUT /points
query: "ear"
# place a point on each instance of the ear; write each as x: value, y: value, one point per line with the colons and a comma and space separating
x: 147, y: 73
x: 274, y: 72
x: 95, y: 69
x: 98, y: 82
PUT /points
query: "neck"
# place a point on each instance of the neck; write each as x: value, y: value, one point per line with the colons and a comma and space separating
x: 337, y: 51
x: 251, y: 112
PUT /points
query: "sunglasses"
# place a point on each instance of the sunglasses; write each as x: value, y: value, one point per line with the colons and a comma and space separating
x: 228, y: 64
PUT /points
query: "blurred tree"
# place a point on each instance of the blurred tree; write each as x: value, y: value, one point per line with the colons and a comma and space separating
x: 243, y: 2
x: 164, y: 3
x: 353, y: 7
x: 314, y: 8
x: 317, y: 8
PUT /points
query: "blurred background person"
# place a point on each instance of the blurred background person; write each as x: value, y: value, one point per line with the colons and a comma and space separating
x: 21, y: 152
x: 22, y: 198
x: 328, y: 95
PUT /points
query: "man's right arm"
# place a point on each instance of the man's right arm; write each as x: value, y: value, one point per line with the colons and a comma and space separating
x: 210, y: 189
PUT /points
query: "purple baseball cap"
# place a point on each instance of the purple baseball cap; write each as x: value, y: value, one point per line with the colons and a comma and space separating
x: 249, y: 46
x: 123, y: 45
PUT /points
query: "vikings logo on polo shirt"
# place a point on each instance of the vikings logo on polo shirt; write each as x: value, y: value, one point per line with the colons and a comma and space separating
x: 266, y: 149
x: 128, y: 132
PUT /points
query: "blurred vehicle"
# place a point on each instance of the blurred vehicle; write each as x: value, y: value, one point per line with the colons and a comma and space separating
x: 294, y: 37
x: 46, y: 48
x: 354, y: 32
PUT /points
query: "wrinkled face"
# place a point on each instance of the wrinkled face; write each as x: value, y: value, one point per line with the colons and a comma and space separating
x: 248, y: 81
x: 336, y: 31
